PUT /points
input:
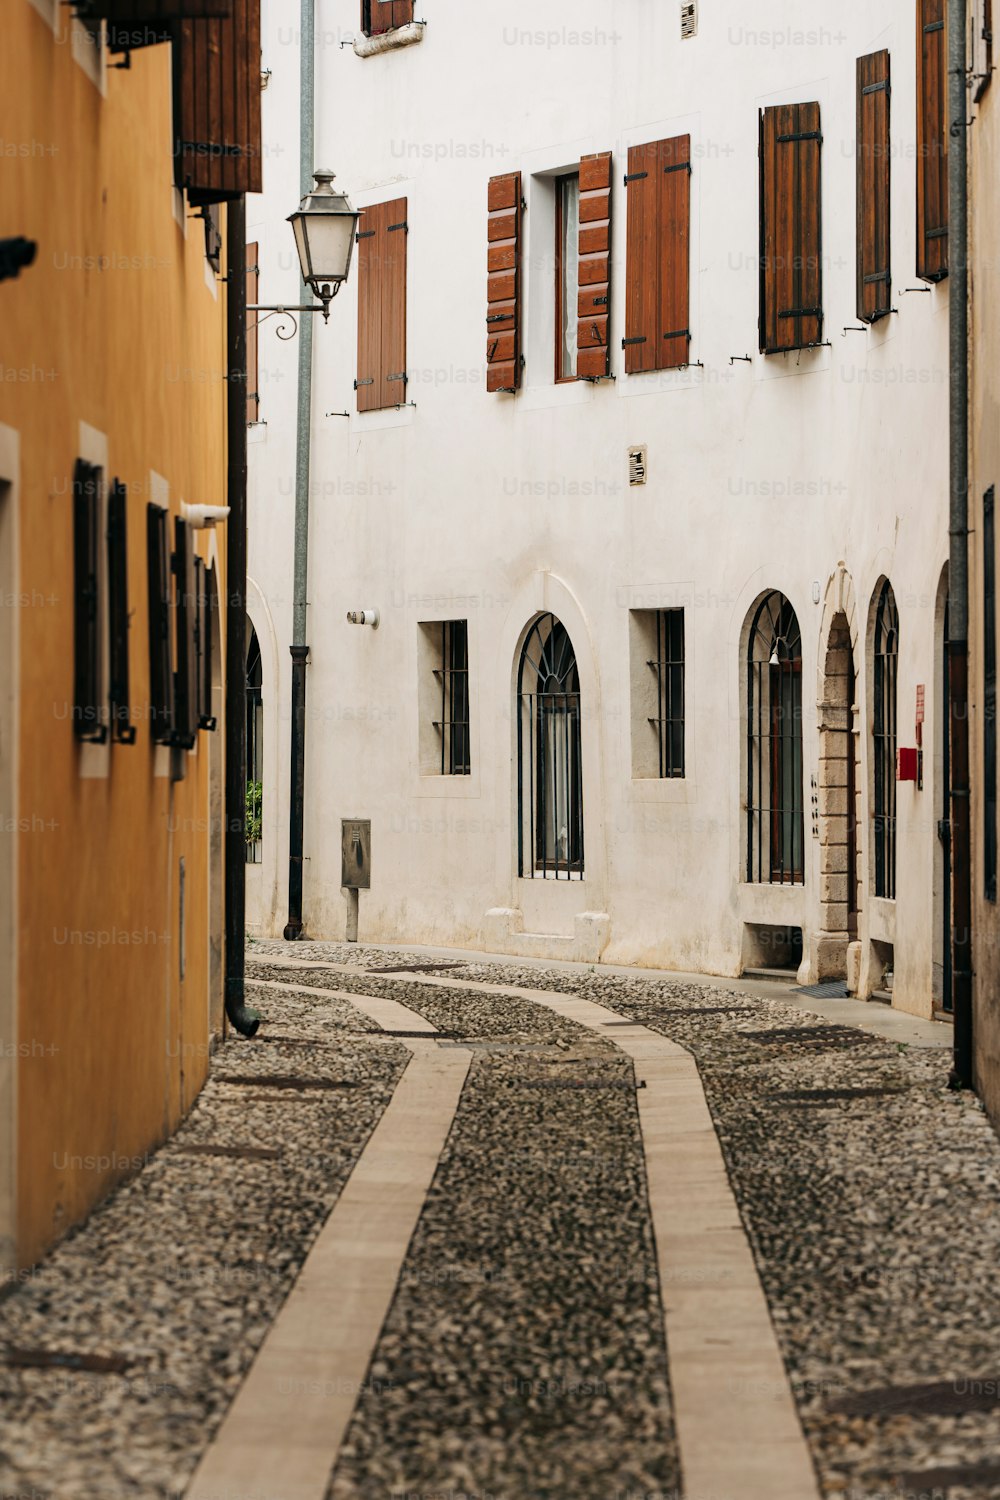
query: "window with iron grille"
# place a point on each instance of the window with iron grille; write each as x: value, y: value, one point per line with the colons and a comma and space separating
x: 774, y: 799
x: 658, y: 672
x: 118, y: 614
x: 161, y: 680
x: 255, y: 748
x: 453, y: 676
x: 886, y: 657
x: 549, y: 755
x: 185, y: 651
x: 989, y: 697
x: 88, y: 712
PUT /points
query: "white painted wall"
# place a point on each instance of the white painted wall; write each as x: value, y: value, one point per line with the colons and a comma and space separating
x: 761, y: 475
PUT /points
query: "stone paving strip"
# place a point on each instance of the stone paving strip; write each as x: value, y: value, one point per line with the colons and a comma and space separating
x: 737, y: 1425
x: 122, y: 1351
x: 284, y: 1429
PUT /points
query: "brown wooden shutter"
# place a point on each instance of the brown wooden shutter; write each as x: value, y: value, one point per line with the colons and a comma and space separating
x: 874, y: 285
x: 382, y: 236
x: 253, y: 370
x: 122, y: 729
x: 380, y: 16
x: 674, y: 332
x: 658, y: 253
x: 932, y: 140
x: 791, y: 267
x: 158, y: 586
x: 217, y: 145
x: 185, y: 614
x: 503, y: 296
x: 87, y: 716
x: 594, y: 298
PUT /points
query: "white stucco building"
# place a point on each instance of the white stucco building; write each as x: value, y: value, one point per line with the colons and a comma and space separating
x: 684, y: 695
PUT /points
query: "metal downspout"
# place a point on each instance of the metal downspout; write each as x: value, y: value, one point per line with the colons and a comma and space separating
x: 299, y: 647
x: 958, y: 576
x: 244, y: 1020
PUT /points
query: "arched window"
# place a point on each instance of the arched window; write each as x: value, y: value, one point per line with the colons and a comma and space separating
x: 775, y: 840
x: 549, y: 773
x: 255, y: 747
x: 886, y: 655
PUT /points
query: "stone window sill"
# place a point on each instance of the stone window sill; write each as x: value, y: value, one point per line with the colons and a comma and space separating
x: 403, y: 36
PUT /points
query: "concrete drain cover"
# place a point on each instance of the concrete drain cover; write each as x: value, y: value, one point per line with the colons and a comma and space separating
x: 833, y: 989
x: 811, y: 1036
x: 416, y: 969
x: 830, y: 1096
x: 945, y: 1398
x: 50, y: 1359
x: 282, y: 1081
x: 233, y: 1153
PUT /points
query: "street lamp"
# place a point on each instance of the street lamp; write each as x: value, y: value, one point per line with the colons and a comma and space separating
x: 324, y: 224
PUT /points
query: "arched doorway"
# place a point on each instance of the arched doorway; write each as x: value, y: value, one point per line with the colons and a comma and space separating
x: 885, y: 660
x: 838, y: 782
x: 774, y: 799
x: 549, y: 756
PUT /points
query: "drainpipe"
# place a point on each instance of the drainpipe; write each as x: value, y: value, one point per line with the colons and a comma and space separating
x: 244, y: 1020
x: 958, y: 573
x: 299, y: 647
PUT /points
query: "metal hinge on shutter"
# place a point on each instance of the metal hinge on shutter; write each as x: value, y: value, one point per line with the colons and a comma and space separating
x: 680, y: 166
x: 402, y: 225
x: 401, y: 376
x: 877, y: 276
x: 498, y: 317
x: 640, y: 339
x: 634, y: 177
x: 877, y: 88
x: 801, y: 135
x: 934, y: 26
x: 365, y: 234
x: 681, y: 333
x: 359, y: 383
x: 600, y: 301
x: 801, y: 312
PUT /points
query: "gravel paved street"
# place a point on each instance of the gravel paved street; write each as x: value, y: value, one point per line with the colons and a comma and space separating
x: 524, y: 1355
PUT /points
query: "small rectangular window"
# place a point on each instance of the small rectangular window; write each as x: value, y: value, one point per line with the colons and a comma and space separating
x: 205, y: 589
x: 658, y: 693
x: 567, y: 274
x: 379, y: 16
x: 118, y: 614
x: 160, y: 657
x: 989, y: 697
x: 443, y: 698
x: 88, y: 714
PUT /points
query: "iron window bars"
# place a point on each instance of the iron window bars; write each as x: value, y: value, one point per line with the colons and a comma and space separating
x: 549, y: 755
x: 989, y: 697
x: 775, y: 826
x: 206, y: 595
x: 161, y: 715
x: 668, y: 666
x: 453, y: 726
x: 122, y: 729
x: 88, y: 716
x: 885, y: 738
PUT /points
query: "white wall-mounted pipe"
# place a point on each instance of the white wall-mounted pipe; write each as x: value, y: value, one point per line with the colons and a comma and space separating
x: 200, y: 516
x: 364, y: 617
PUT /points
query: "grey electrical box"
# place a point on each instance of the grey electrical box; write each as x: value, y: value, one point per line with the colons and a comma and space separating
x: 356, y: 854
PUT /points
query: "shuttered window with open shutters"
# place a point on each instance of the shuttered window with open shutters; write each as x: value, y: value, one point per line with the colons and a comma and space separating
x: 503, y: 294
x: 217, y: 121
x: 658, y: 256
x: 932, y: 140
x: 874, y: 284
x: 382, y: 236
x: 380, y: 16
x: 791, y: 234
x: 122, y: 729
x: 161, y: 680
x: 594, y: 278
x: 88, y: 716
x: 185, y: 619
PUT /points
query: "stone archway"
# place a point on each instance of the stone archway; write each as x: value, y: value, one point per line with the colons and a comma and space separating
x: 839, y: 782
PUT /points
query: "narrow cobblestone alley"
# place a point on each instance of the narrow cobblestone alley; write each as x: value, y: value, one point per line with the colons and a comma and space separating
x: 529, y: 1340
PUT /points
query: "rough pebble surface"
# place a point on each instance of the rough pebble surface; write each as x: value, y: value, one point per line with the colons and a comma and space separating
x: 523, y: 1355
x: 181, y: 1271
